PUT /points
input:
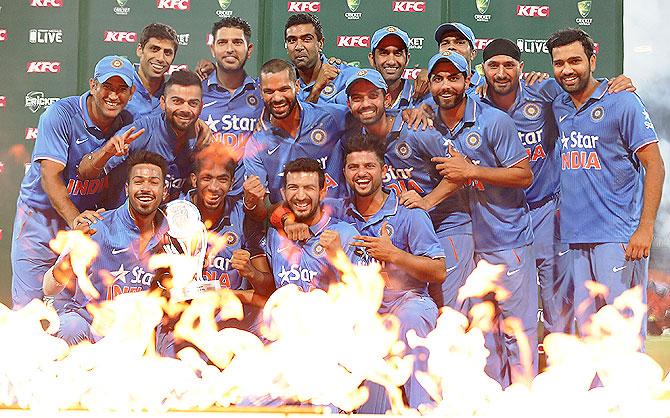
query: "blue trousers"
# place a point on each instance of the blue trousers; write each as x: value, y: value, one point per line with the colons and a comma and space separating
x: 459, y: 251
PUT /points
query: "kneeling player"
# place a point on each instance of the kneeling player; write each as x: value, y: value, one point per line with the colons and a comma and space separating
x: 126, y: 236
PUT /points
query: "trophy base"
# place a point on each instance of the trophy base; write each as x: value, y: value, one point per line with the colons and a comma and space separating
x: 194, y: 290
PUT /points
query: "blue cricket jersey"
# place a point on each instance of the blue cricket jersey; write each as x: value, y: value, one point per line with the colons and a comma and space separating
x: 536, y: 126
x: 334, y: 91
x: 500, y: 215
x: 268, y: 150
x: 601, y: 175
x: 408, y: 154
x: 158, y: 137
x: 410, y: 230
x: 305, y: 264
x: 239, y: 233
x: 404, y: 99
x: 475, y: 81
x: 65, y: 134
x: 120, y: 267
x: 143, y: 103
x: 232, y: 117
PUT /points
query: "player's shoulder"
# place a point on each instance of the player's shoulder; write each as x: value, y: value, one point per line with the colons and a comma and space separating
x: 151, y: 121
x: 490, y: 114
x: 624, y: 100
x: 65, y: 107
x: 343, y: 227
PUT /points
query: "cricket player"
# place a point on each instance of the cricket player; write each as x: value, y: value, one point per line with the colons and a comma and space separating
x: 484, y: 150
x: 52, y: 195
x: 172, y: 134
x: 404, y: 242
x: 290, y: 129
x: 611, y: 177
x: 232, y: 102
x: 156, y: 50
x: 412, y: 175
x: 320, y: 81
x: 306, y: 263
x: 389, y: 54
x: 126, y: 237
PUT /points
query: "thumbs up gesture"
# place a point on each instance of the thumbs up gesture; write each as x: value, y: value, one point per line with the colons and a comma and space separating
x: 380, y: 248
x: 457, y: 168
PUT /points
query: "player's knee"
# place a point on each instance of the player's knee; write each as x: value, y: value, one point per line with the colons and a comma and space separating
x: 74, y: 329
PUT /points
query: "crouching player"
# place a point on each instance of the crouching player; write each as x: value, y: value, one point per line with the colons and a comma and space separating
x: 126, y: 237
x: 404, y: 242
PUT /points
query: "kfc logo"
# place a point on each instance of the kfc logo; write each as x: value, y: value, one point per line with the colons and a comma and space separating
x: 411, y: 73
x: 3, y: 35
x: 174, y: 4
x: 532, y: 11
x: 31, y: 134
x: 354, y: 41
x: 304, y: 6
x: 3, y: 101
x: 480, y: 44
x: 111, y: 36
x: 409, y: 6
x: 42, y: 67
x: 174, y: 68
x: 46, y: 3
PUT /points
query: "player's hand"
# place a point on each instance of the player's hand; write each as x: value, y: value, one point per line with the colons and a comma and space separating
x: 640, y: 243
x: 203, y: 135
x: 412, y: 199
x: 254, y: 191
x: 480, y: 90
x: 330, y: 241
x: 420, y: 84
x: 119, y: 145
x: 419, y: 117
x: 534, y: 76
x: 204, y: 68
x: 241, y: 261
x: 620, y: 83
x: 85, y: 219
x: 380, y: 248
x: 327, y: 74
x: 335, y: 61
x: 456, y: 168
x: 296, y: 231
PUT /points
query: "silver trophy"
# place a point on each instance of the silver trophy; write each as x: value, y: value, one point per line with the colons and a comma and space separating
x: 187, y: 235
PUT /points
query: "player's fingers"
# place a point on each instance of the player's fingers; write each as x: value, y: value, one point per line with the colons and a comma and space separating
x: 359, y: 244
x: 628, y: 251
x: 131, y: 138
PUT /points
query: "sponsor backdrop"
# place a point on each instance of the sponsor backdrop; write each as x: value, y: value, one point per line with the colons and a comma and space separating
x: 48, y: 49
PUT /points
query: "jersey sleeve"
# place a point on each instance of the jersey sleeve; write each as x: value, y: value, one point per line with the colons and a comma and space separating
x: 505, y: 142
x: 546, y: 90
x: 421, y: 235
x: 636, y: 129
x: 253, y: 164
x: 53, y: 135
x: 269, y: 244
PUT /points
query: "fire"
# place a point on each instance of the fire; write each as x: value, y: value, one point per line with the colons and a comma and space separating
x: 318, y: 348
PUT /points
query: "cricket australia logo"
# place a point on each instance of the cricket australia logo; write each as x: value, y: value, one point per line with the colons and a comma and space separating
x: 318, y: 136
x: 473, y: 140
x: 597, y: 114
x: 403, y: 150
x: 532, y: 111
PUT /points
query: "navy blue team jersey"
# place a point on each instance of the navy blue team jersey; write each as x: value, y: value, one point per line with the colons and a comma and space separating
x: 601, y: 175
x: 66, y: 134
x: 232, y: 117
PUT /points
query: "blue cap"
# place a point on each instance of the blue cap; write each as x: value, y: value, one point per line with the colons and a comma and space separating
x: 114, y: 65
x: 455, y: 27
x: 384, y: 32
x: 455, y: 58
x: 370, y: 75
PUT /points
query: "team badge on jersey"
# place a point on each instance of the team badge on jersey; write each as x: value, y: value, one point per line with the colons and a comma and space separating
x: 362, y: 73
x: 318, y: 136
x: 391, y: 29
x: 597, y: 113
x: 231, y: 238
x: 252, y: 100
x: 319, y: 251
x: 389, y: 230
x: 473, y: 140
x: 403, y: 150
x: 329, y: 90
x: 532, y: 111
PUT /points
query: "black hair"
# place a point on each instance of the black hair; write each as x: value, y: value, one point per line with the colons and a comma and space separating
x: 567, y: 36
x: 146, y: 157
x: 361, y: 143
x: 305, y: 18
x: 277, y: 65
x: 159, y: 31
x: 304, y: 165
x: 183, y: 78
x: 232, y: 22
x: 216, y: 151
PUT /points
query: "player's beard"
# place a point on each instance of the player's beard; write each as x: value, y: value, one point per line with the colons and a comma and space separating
x: 304, y: 216
x: 181, y: 121
x: 581, y: 83
x: 285, y: 113
x: 449, y: 103
x: 509, y: 85
x: 229, y: 68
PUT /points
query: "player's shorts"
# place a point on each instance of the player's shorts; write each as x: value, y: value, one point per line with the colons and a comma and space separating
x: 605, y: 263
x: 459, y: 253
x: 519, y: 278
x: 31, y: 255
x: 553, y: 261
x: 416, y: 311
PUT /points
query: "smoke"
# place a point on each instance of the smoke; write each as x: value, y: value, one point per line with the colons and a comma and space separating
x: 646, y: 33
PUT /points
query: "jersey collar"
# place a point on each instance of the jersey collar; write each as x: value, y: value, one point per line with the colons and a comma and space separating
x: 320, y: 226
x: 267, y: 125
x: 404, y: 99
x: 227, y: 209
x: 389, y: 208
x: 469, y: 117
x: 247, y: 84
x: 139, y: 87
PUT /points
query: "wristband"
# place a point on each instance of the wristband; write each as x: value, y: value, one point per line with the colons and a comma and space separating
x: 279, y: 216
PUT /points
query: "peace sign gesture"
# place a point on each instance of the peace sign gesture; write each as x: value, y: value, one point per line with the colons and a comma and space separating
x: 118, y: 145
